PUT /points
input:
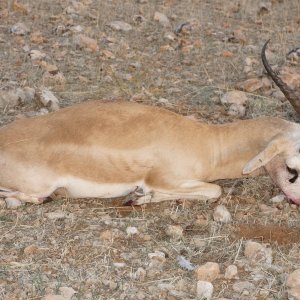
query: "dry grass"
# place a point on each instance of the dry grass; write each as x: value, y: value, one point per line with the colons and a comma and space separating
x: 70, y: 251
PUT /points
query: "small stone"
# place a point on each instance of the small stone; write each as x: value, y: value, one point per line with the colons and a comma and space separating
x: 157, y: 259
x: 239, y: 36
x: 54, y: 79
x: 132, y: 230
x: 52, y: 69
x: 125, y: 76
x: 43, y: 111
x: 236, y: 97
x: 264, y: 7
x: 243, y: 286
x: 187, y: 48
x: 166, y: 48
x: 247, y: 69
x: 199, y: 241
x: 135, y: 65
x: 37, y: 38
x: 237, y: 110
x: 20, y: 29
x: 76, y: 29
x: 139, y: 19
x: 227, y: 54
x: 165, y: 102
x: 49, y: 100
x: 27, y: 95
x: 267, y: 84
x: 157, y: 255
x: 278, y: 95
x: 278, y: 199
x: 37, y: 55
x: 120, y: 26
x: 161, y: 19
x: 201, y: 220
x: 221, y: 214
x: 106, y: 235
x: 170, y: 36
x: 31, y: 250
x: 140, y: 274
x: 293, y: 279
x: 56, y: 215
x: 83, y: 41
x: 147, y: 237
x: 174, y: 231
x: 204, y: 290
x: 12, y: 98
x: 13, y: 203
x: 208, y: 272
x: 294, y: 293
x: 268, y: 210
x: 290, y: 77
x: 258, y: 253
x: 67, y: 292
x: 108, y: 54
x: 231, y: 272
x: 21, y: 8
x: 119, y: 265
x: 250, y: 85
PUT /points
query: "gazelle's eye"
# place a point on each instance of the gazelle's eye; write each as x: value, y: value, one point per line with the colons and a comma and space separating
x: 293, y: 172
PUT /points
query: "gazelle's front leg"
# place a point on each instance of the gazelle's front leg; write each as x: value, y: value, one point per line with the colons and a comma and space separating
x: 189, y: 189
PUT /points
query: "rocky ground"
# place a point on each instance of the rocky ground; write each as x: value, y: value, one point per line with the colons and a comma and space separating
x: 190, y: 57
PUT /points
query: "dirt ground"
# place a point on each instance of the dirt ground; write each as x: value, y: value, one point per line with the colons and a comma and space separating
x: 100, y: 248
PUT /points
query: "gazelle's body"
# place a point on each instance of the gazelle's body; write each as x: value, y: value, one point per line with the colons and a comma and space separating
x: 108, y: 149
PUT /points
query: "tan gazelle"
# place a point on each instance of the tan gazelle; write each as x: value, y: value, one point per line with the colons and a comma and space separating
x: 109, y: 149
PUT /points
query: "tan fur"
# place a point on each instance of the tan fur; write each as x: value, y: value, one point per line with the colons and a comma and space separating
x: 107, y: 143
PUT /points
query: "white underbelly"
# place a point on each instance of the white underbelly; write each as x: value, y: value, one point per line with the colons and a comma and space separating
x: 79, y: 188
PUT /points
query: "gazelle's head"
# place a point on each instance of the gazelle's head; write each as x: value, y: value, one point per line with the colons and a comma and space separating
x: 281, y: 157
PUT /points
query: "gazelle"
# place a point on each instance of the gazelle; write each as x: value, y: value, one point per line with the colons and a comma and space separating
x: 109, y: 149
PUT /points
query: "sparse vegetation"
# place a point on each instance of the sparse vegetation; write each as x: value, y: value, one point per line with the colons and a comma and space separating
x: 87, y: 248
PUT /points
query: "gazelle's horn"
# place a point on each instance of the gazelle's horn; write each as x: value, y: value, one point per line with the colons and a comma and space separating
x: 292, y: 96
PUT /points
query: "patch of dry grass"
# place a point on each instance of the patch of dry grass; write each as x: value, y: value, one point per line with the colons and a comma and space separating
x: 69, y: 251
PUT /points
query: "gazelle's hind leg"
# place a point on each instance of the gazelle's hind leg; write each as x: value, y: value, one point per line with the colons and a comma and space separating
x: 189, y: 189
x: 22, y: 197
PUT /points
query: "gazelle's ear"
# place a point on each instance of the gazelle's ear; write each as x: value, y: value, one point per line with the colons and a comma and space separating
x: 275, y: 147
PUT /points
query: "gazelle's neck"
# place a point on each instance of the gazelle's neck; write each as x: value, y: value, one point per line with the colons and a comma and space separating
x: 239, y: 142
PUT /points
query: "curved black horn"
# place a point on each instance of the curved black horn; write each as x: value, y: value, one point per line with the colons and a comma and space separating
x: 292, y: 96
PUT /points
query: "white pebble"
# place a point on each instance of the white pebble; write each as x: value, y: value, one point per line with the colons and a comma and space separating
x: 221, y: 214
x: 55, y: 215
x: 67, y: 292
x: 131, y: 230
x: 258, y: 253
x: 277, y: 199
x: 174, y: 231
x: 161, y: 19
x: 231, y: 272
x: 204, y: 290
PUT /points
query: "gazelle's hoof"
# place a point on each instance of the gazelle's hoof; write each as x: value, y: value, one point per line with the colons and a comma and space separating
x: 13, y: 202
